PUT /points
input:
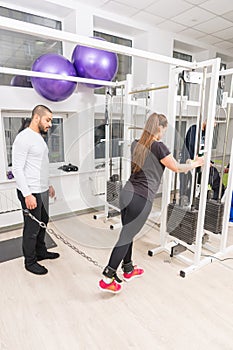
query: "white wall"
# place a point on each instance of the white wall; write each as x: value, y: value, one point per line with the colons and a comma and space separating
x: 80, y: 21
x: 148, y: 72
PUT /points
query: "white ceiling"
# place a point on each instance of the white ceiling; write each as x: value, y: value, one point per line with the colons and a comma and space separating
x: 210, y: 21
x: 205, y: 21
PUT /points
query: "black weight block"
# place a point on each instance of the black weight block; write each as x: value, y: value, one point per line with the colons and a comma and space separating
x: 182, y: 223
x: 213, y: 215
x: 113, y: 193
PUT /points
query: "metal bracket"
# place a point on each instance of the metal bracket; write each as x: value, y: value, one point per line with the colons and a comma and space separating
x: 192, y: 77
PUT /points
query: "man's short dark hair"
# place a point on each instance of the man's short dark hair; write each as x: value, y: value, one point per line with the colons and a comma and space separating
x: 40, y: 110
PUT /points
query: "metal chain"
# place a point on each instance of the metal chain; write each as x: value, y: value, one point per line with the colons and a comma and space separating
x: 61, y: 238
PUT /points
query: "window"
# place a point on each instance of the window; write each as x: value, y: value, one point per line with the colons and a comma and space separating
x: 13, y: 125
x: 20, y: 50
x: 182, y: 56
x: 185, y: 57
x: 99, y: 134
x: 179, y: 137
x: 221, y: 85
x: 124, y: 62
x: 215, y: 137
x: 55, y: 141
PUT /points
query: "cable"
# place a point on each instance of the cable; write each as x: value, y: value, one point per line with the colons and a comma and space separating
x: 206, y: 255
x: 214, y: 257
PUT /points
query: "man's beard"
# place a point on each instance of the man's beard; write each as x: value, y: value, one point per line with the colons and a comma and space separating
x: 42, y: 130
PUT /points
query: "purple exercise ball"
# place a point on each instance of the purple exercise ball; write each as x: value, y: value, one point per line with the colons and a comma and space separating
x: 94, y: 63
x: 52, y: 89
x: 21, y: 80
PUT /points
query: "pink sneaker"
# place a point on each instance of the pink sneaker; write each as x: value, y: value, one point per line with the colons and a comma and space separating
x: 137, y: 272
x: 112, y: 287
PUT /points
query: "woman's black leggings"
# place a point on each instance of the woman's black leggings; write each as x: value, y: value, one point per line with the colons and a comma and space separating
x: 135, y: 210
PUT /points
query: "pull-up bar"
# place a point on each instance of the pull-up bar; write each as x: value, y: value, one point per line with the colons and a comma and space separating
x: 149, y: 89
x: 134, y: 128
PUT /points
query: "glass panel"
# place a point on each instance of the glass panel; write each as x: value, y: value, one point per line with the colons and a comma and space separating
x: 20, y: 50
x: 99, y: 134
x: 182, y: 56
x: 124, y: 62
x: 54, y: 139
x: 12, y: 125
x: 221, y: 85
x: 179, y: 138
x: 215, y: 137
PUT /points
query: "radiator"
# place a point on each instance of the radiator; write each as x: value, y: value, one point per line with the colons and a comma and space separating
x: 9, y: 201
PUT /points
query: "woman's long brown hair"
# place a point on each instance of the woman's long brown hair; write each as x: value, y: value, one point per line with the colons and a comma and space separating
x: 143, y: 145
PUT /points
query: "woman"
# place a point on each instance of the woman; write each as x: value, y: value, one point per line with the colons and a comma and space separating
x: 149, y: 159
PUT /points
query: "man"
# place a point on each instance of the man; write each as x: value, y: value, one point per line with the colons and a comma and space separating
x: 30, y: 164
x: 187, y: 152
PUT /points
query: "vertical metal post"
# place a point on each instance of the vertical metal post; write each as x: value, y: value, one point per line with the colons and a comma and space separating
x: 120, y: 144
x: 109, y: 94
x: 208, y: 144
x: 177, y: 146
x: 225, y: 141
x: 193, y: 186
x: 106, y: 151
x: 167, y: 177
x: 227, y: 204
x: 199, y: 129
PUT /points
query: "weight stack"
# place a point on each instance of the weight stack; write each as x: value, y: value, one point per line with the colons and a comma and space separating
x: 213, y: 215
x: 113, y: 192
x: 182, y: 223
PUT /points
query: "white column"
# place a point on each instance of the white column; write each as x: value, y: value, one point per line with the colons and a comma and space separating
x: 80, y: 22
x: 3, y: 160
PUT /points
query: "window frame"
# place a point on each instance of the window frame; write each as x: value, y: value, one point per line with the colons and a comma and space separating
x: 115, y: 120
x: 26, y: 114
x: 31, y: 47
x: 103, y: 34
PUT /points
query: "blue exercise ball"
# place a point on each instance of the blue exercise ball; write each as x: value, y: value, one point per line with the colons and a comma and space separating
x: 52, y: 89
x: 94, y: 63
x: 231, y: 210
x: 21, y: 80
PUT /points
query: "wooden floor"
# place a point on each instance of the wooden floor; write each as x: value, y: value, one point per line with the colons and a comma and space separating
x: 65, y: 310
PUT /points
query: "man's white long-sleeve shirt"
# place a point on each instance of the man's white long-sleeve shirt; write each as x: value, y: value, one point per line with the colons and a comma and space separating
x: 30, y: 162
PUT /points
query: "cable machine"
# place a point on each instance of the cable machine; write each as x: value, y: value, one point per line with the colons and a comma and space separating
x: 114, y: 183
x: 167, y: 242
x: 181, y: 219
x: 113, y: 178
